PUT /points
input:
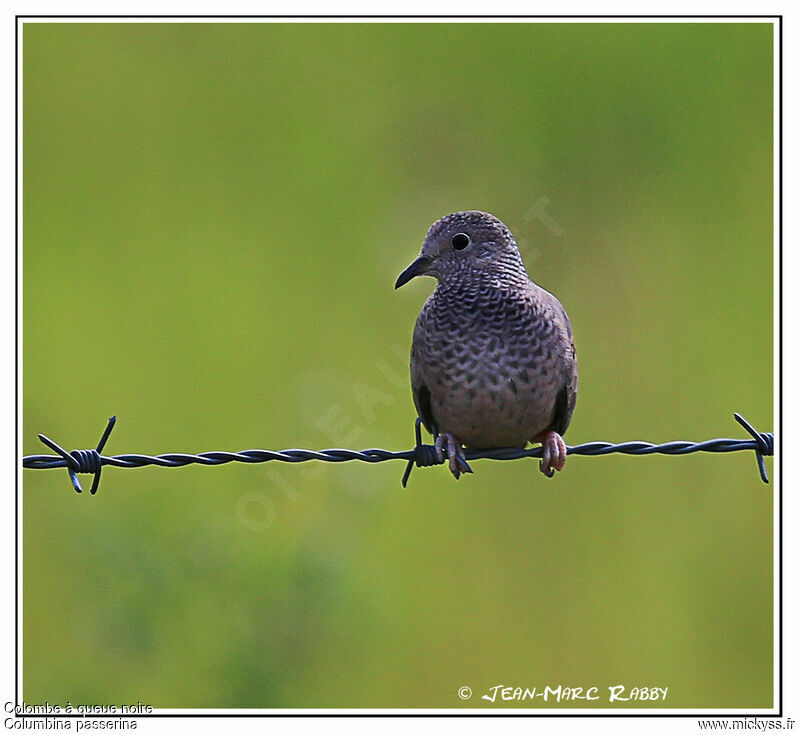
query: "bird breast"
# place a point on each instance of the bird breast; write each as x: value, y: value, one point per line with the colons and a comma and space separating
x: 493, y: 361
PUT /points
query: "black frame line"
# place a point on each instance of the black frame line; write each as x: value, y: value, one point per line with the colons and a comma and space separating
x: 18, y: 19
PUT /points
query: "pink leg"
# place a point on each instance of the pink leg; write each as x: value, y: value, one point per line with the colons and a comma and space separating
x: 554, y: 452
x: 455, y: 454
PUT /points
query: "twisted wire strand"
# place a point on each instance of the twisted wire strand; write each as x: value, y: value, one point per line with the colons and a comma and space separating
x: 90, y: 461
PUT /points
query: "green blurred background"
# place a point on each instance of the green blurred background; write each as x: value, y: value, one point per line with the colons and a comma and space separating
x: 214, y: 216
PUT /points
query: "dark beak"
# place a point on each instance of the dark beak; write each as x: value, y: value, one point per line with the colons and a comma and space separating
x: 417, y: 268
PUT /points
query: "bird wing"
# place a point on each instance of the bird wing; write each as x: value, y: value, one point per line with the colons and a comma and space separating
x: 567, y: 396
x: 419, y: 383
x: 422, y: 400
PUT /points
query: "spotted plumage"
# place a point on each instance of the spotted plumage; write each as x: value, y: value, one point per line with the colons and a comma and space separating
x: 492, y: 359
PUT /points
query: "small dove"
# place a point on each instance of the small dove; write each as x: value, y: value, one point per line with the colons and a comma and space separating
x: 493, y: 360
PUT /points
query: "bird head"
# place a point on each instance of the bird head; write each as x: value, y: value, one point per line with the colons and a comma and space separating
x: 463, y: 244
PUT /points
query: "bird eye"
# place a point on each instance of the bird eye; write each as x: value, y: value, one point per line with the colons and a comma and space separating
x: 460, y: 241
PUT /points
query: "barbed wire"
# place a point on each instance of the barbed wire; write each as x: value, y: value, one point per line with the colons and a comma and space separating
x: 90, y: 461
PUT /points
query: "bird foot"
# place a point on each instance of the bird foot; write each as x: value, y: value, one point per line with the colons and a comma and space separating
x: 455, y: 454
x: 554, y: 452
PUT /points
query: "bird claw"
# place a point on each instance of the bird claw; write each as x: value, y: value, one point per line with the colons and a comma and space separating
x: 455, y: 454
x: 437, y: 445
x: 554, y: 453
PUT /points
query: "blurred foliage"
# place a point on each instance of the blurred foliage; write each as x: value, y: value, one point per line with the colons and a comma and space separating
x: 214, y: 215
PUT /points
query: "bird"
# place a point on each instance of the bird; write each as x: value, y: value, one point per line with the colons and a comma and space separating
x: 493, y: 362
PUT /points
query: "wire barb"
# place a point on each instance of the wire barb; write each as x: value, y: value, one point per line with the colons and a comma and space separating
x: 424, y: 455
x: 764, y: 445
x: 90, y: 461
x: 87, y: 461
